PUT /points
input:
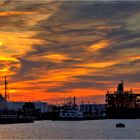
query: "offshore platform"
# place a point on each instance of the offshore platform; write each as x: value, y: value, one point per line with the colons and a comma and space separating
x: 122, y: 104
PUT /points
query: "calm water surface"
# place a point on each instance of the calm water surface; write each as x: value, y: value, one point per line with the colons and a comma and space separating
x: 94, y: 129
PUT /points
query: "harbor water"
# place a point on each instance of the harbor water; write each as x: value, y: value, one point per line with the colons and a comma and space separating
x: 92, y: 129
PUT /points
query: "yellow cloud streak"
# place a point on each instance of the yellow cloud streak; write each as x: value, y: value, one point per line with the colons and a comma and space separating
x: 4, y: 58
x: 99, y: 45
x: 56, y: 57
x: 99, y: 64
x: 107, y: 27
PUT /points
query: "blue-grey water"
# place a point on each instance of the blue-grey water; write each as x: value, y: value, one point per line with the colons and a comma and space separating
x: 93, y: 129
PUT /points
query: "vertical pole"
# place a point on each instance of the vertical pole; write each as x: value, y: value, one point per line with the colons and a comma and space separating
x: 5, y: 88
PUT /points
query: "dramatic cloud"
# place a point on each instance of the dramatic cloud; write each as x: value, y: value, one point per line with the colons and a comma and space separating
x: 52, y: 48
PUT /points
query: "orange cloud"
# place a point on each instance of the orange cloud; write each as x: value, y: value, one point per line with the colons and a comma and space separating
x: 32, y: 89
x: 56, y: 57
x: 17, y: 43
x: 9, y: 13
x: 135, y: 57
x: 67, y: 74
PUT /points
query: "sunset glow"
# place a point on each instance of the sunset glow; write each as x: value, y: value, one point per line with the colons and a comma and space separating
x: 55, y: 49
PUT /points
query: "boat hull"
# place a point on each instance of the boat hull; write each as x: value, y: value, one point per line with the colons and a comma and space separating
x: 68, y: 119
x: 120, y: 125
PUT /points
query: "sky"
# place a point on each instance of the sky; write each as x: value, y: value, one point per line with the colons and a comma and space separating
x: 51, y: 50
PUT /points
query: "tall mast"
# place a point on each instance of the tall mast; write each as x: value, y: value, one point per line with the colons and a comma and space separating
x: 6, y: 83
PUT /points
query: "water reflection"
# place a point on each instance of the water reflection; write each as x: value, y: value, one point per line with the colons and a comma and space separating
x: 95, y: 129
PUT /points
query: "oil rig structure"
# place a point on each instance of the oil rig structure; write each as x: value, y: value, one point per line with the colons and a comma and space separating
x: 122, y: 104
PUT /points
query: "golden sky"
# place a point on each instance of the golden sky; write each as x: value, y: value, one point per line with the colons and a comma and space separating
x: 51, y: 49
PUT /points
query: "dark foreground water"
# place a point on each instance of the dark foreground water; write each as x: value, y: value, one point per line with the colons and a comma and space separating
x: 94, y: 129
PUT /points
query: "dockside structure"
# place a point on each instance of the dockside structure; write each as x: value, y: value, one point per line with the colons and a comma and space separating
x: 122, y: 104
